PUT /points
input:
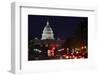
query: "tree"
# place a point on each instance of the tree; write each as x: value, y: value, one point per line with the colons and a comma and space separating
x: 81, y: 34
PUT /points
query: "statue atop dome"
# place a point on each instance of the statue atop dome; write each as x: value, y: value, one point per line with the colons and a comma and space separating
x: 47, y: 32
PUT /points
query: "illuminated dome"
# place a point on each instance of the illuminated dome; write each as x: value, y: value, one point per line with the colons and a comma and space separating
x: 47, y: 32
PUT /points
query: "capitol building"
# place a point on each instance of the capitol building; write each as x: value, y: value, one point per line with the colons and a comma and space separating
x: 47, y: 37
x: 47, y: 32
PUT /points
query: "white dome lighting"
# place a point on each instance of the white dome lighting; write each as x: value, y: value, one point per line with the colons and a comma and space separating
x: 47, y: 32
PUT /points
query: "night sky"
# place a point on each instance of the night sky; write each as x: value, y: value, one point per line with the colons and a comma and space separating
x: 62, y: 26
